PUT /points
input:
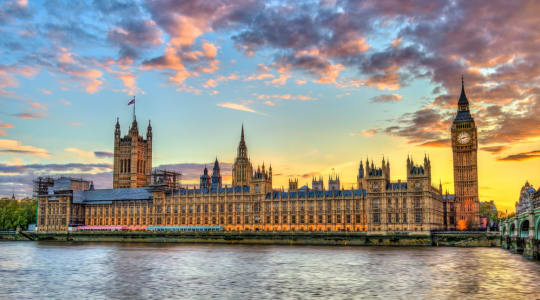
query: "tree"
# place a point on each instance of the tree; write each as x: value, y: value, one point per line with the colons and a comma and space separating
x: 17, y: 213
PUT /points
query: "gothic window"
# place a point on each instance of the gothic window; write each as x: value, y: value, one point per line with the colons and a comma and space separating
x: 293, y: 219
x: 268, y: 219
x: 376, y: 219
x: 238, y: 207
x: 302, y: 217
x: 276, y: 219
x: 246, y: 208
x: 389, y: 218
x: 375, y: 203
x: 348, y: 219
x: 284, y: 219
x: 358, y: 219
x: 206, y: 208
x: 418, y: 216
x: 246, y: 220
x: 329, y: 219
x: 310, y: 219
x: 238, y: 220
x: 320, y: 219
x: 338, y: 219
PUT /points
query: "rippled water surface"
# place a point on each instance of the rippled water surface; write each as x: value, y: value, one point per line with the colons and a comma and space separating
x: 157, y: 271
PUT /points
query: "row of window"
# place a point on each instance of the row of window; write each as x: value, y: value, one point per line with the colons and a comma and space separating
x: 397, y: 218
x: 230, y: 220
x: 207, y: 208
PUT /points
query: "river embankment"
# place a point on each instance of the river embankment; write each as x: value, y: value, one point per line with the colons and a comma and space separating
x: 456, y: 239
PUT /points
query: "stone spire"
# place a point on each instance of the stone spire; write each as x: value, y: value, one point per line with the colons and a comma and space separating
x: 117, y: 128
x: 242, y: 148
x: 463, y: 102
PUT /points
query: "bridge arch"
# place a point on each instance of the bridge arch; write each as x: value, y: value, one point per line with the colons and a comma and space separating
x: 538, y: 229
x: 512, y: 230
x: 524, y: 229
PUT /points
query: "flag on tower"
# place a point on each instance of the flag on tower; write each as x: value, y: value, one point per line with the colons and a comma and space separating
x: 132, y: 101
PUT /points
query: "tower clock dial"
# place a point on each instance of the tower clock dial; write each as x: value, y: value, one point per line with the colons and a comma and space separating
x: 464, y: 138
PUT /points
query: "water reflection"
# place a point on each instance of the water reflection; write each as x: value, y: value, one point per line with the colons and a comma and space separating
x: 157, y: 271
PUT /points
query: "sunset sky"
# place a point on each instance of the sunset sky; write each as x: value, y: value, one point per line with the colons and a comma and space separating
x: 318, y: 85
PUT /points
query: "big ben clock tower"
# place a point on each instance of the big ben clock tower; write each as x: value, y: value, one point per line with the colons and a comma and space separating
x: 464, y: 149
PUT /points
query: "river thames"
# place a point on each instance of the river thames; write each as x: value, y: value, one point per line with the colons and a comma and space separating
x: 45, y: 270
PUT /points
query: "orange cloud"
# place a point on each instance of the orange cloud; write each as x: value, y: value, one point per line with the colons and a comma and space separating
x: 15, y: 147
x: 5, y: 126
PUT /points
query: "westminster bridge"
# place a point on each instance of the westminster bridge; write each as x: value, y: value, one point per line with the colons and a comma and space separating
x: 521, y: 233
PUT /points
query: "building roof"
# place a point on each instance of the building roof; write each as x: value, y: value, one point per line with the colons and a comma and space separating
x: 106, y: 196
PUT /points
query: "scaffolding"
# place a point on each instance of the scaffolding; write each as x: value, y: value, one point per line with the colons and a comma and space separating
x: 42, y: 184
x: 170, y: 179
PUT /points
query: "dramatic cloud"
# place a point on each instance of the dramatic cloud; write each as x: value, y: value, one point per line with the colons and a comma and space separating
x: 385, y: 45
x: 426, y: 127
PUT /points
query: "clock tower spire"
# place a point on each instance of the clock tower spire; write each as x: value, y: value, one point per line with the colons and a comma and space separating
x: 465, y: 153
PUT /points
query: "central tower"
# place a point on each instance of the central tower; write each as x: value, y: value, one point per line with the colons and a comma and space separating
x: 132, y: 157
x: 242, y: 169
x: 464, y: 149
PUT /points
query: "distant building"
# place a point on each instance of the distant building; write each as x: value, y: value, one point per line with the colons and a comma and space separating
x: 526, y: 198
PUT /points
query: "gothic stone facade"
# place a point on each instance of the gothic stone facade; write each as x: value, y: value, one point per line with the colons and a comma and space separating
x: 377, y: 204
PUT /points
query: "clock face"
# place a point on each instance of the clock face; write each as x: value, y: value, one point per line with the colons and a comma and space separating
x: 464, y: 138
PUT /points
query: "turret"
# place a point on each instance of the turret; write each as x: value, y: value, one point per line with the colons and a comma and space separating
x: 149, y: 131
x: 134, y: 130
x: 216, y: 176
x: 117, y: 129
x: 293, y: 185
x: 205, y: 179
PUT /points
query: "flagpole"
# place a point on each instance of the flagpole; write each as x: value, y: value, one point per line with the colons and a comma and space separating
x: 134, y: 103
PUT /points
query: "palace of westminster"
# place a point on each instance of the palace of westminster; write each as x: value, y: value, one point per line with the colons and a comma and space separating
x: 142, y: 196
